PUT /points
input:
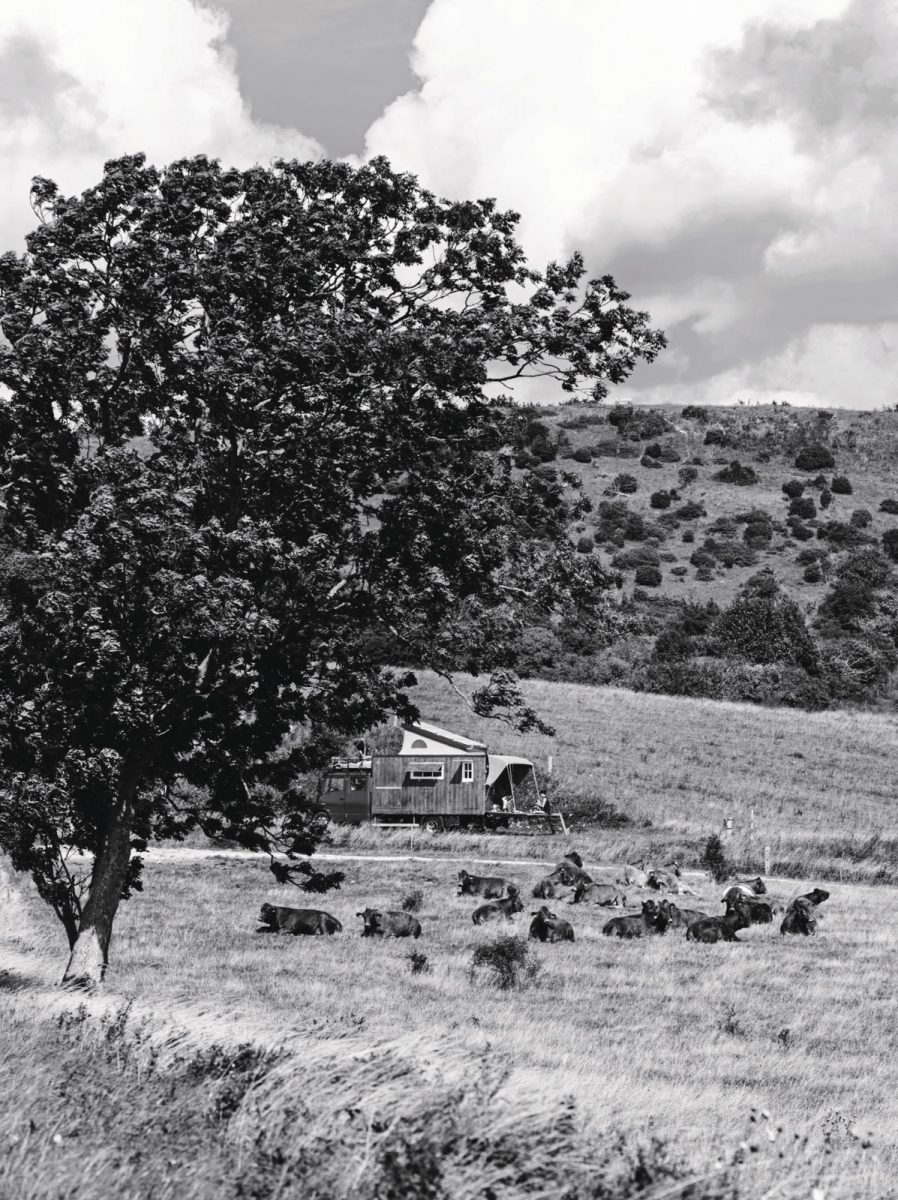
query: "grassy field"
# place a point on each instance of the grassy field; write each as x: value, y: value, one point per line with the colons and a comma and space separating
x: 660, y: 1039
x: 821, y: 789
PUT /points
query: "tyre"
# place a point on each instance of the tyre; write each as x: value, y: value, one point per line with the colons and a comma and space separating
x: 432, y: 825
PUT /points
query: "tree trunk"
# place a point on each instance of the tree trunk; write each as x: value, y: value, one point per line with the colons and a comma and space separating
x: 90, y: 953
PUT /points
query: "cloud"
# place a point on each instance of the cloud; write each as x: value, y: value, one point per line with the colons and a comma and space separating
x: 84, y: 82
x: 731, y: 163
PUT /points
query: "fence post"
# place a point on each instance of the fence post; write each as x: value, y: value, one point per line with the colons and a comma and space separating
x: 766, y: 860
x: 549, y: 765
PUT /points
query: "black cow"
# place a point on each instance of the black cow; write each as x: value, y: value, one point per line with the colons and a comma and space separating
x: 546, y: 927
x: 761, y: 908
x: 498, y: 910
x: 546, y: 889
x: 801, y: 917
x: 636, y: 925
x: 746, y: 887
x: 721, y: 929
x: 599, y: 893
x: 389, y: 924
x: 569, y: 872
x: 674, y: 917
x: 277, y: 919
x: 816, y: 897
x: 491, y: 887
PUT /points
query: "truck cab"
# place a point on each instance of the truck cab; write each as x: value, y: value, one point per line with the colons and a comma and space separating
x: 346, y: 792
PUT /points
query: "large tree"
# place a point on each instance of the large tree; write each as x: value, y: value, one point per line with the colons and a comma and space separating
x: 249, y: 446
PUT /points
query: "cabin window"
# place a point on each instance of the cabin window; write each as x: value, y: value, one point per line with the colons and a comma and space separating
x: 467, y: 771
x: 419, y: 744
x: 427, y: 770
x: 333, y: 783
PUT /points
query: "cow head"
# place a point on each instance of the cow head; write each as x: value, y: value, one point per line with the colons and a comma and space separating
x: 650, y: 910
x: 513, y: 890
x: 575, y: 858
x: 369, y: 915
x: 463, y: 878
x: 544, y: 913
x: 817, y: 896
x: 758, y: 886
x: 268, y: 914
x: 515, y: 904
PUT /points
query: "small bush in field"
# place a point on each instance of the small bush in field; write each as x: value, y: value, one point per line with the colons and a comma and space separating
x: 638, y: 556
x: 841, y: 485
x: 757, y: 534
x: 736, y: 473
x: 688, y: 535
x: 688, y: 475
x: 715, y: 861
x: 690, y: 511
x: 648, y: 577
x: 418, y: 964
x: 793, y: 488
x: 704, y: 574
x: 826, y: 498
x: 660, y: 499
x: 695, y: 412
x: 413, y: 901
x: 653, y: 450
x: 890, y: 543
x: 716, y: 437
x: 678, y: 571
x: 799, y: 530
x: 812, y: 573
x: 626, y: 483
x: 814, y: 458
x: 585, y: 545
x: 582, y: 455
x: 508, y: 961
x: 701, y: 558
x: 861, y: 518
x: 889, y: 506
x: 652, y: 463
x: 803, y: 506
x: 669, y: 455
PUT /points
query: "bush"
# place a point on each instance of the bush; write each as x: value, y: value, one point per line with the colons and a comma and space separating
x: 738, y: 474
x: 716, y: 437
x: 585, y: 545
x: 841, y: 485
x: 418, y: 963
x: 651, y: 463
x: 648, y: 577
x: 840, y: 533
x: 509, y: 961
x: 812, y: 573
x: 638, y: 556
x: 812, y: 554
x: 715, y: 861
x: 764, y: 626
x: 701, y: 558
x: 690, y: 511
x: 695, y: 412
x: 889, y: 506
x: 814, y: 458
x: 653, y: 450
x: 890, y: 543
x: 818, y: 482
x: 757, y: 533
x: 861, y: 518
x: 678, y: 571
x: 660, y: 499
x: 669, y: 455
x: 793, y: 488
x: 688, y: 535
x: 413, y: 901
x: 621, y: 415
x: 704, y: 574
x: 582, y: 455
x: 687, y: 475
x: 627, y: 484
x: 799, y: 531
x: 803, y: 506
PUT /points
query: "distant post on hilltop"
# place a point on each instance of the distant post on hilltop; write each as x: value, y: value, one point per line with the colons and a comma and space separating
x: 766, y: 860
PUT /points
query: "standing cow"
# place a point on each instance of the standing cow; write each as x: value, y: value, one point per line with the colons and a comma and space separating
x: 276, y: 918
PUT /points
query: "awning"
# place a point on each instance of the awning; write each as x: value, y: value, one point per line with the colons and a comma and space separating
x: 498, y: 763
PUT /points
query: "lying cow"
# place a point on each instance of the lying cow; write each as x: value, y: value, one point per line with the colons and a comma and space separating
x: 635, y: 876
x: 389, y: 924
x: 498, y: 910
x: 491, y: 887
x: 605, y: 894
x: 801, y: 917
x: 569, y: 872
x: 546, y: 889
x: 546, y: 927
x: 721, y: 929
x: 762, y: 909
x: 749, y: 889
x: 636, y: 925
x: 816, y: 897
x: 277, y: 919
x: 667, y: 879
x: 673, y: 917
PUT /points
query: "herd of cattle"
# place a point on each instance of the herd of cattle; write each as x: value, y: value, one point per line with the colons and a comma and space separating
x: 746, y: 903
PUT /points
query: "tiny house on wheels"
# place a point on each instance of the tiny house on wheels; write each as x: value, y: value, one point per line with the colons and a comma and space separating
x: 438, y: 780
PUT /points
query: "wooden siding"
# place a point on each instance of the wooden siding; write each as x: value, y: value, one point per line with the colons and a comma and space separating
x: 394, y: 792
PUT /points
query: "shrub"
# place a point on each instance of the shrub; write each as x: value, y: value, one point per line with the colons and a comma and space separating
x: 793, y: 488
x: 621, y: 415
x: 660, y: 499
x: 679, y: 571
x: 826, y: 498
x: 582, y: 455
x: 889, y: 506
x: 669, y: 455
x: 583, y: 421
x: 537, y: 429
x: 508, y: 961
x: 690, y: 511
x: 818, y: 482
x: 812, y: 573
x: 716, y: 437
x: 695, y: 412
x: 653, y: 450
x: 413, y: 901
x: 840, y: 533
x: 861, y: 518
x: 812, y: 554
x: 715, y: 861
x: 651, y: 463
x: 689, y: 475
x: 813, y: 458
x: 701, y: 558
x: 841, y: 485
x: 764, y: 626
x: 585, y: 545
x: 799, y: 531
x: 638, y: 556
x: 688, y: 535
x: 757, y: 533
x: 738, y: 474
x: 890, y: 543
x: 648, y: 577
x: 704, y: 574
x: 418, y: 963
x: 803, y: 506
x: 627, y: 484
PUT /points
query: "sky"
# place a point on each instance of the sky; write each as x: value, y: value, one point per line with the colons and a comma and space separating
x: 731, y: 162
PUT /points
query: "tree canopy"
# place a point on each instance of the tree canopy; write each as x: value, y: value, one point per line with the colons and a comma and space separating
x: 250, y: 445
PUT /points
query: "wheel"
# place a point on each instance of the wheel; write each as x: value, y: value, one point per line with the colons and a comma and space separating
x: 432, y: 825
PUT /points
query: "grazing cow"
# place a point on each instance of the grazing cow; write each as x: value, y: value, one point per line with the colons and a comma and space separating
x: 569, y: 871
x: 801, y: 917
x: 277, y: 919
x: 491, y: 887
x: 389, y: 924
x: 678, y: 918
x: 498, y: 910
x: 721, y: 929
x: 546, y: 927
x: 637, y: 925
x: 599, y: 893
x: 546, y: 889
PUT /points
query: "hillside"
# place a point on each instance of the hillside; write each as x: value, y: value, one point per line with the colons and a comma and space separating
x: 688, y: 508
